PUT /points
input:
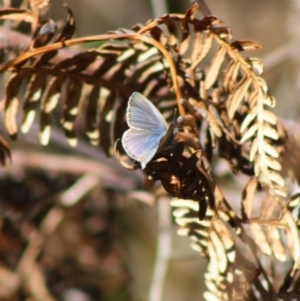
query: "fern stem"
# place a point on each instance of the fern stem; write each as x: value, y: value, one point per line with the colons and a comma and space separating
x: 164, y: 249
x: 72, y: 42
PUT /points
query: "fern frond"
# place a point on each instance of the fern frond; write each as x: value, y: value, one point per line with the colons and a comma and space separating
x: 177, y: 61
x: 229, y: 79
x: 260, y: 127
x: 216, y: 240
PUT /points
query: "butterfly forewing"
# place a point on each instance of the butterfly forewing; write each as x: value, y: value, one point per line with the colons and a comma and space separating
x: 143, y: 115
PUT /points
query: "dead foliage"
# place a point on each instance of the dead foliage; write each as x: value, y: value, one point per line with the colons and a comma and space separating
x: 178, y: 61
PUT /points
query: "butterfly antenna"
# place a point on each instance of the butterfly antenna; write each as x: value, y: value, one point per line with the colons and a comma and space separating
x: 175, y: 122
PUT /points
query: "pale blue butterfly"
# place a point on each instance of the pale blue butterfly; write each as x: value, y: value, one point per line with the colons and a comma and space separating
x: 146, y: 129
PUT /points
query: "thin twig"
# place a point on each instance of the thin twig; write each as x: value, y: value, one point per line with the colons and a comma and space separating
x: 82, y: 186
x: 36, y: 285
x: 27, y: 267
x: 164, y: 248
x: 49, y: 224
x: 74, y: 164
x: 83, y: 148
x: 286, y: 52
x: 11, y: 39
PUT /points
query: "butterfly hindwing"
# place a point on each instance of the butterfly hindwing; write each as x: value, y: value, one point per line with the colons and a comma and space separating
x: 140, y: 145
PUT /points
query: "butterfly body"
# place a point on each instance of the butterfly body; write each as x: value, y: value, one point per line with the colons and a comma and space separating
x: 146, y: 128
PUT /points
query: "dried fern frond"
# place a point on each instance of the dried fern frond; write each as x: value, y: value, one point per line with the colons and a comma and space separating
x: 275, y: 230
x: 177, y: 61
x: 39, y: 3
x: 182, y: 175
x: 231, y: 83
x: 238, y: 87
x: 16, y: 14
x: 260, y: 127
x: 214, y: 239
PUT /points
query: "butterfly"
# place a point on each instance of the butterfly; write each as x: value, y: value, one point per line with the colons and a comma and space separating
x: 147, y: 127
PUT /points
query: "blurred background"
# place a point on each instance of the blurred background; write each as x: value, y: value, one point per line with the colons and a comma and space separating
x: 105, y: 246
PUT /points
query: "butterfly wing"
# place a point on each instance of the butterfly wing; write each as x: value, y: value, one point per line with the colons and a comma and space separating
x: 143, y: 115
x: 147, y: 127
x: 140, y: 145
